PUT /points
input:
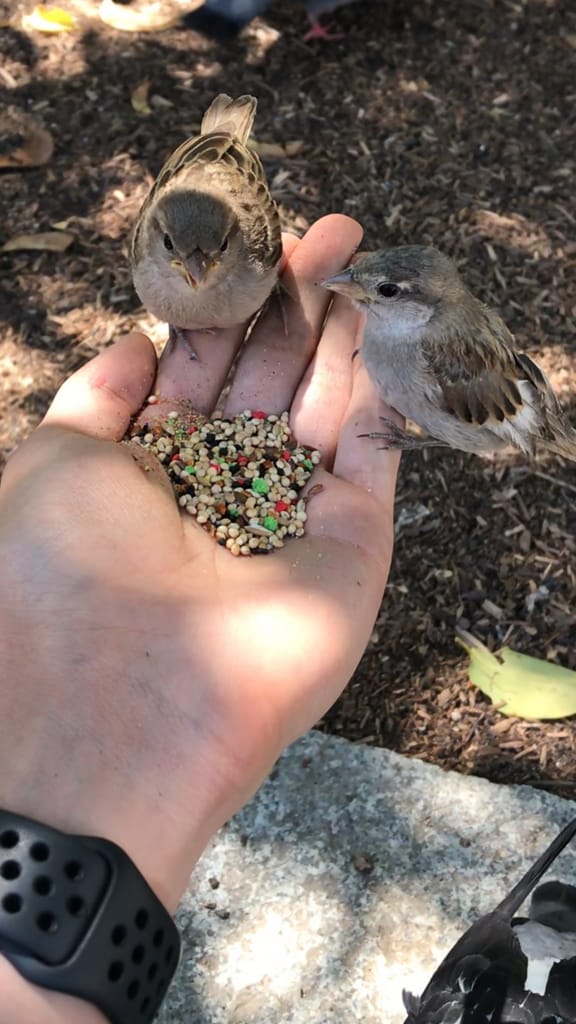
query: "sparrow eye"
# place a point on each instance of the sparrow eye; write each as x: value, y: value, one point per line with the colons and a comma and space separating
x: 388, y: 290
x: 224, y: 245
x: 168, y: 243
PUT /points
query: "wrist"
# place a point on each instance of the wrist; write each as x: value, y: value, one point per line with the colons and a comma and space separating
x: 25, y: 1003
x: 163, y: 841
x: 75, y: 755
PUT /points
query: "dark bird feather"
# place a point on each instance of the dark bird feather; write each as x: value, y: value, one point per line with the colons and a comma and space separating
x: 484, y: 978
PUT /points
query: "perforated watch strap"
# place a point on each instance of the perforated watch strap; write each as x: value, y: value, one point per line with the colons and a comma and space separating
x: 77, y: 916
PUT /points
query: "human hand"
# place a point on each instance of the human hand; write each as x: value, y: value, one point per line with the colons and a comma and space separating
x: 155, y: 678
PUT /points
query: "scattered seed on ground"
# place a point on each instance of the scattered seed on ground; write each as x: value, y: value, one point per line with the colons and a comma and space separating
x: 240, y: 478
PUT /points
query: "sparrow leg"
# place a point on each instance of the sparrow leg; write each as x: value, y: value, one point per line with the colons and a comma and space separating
x: 277, y: 292
x: 318, y: 31
x: 394, y: 437
x: 280, y: 291
x: 178, y: 335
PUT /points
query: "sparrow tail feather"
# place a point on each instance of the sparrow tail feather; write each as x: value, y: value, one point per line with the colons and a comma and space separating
x: 233, y: 116
x: 565, y: 446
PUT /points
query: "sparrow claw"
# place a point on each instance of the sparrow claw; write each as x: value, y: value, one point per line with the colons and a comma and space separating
x: 318, y: 31
x: 179, y: 336
x: 394, y: 437
x: 281, y: 290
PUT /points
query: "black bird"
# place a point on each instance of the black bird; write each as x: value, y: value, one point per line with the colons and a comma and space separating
x: 507, y: 968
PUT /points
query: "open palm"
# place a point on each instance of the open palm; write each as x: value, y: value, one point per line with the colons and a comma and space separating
x: 200, y: 666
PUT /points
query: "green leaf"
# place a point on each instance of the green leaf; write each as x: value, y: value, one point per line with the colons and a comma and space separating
x: 519, y: 684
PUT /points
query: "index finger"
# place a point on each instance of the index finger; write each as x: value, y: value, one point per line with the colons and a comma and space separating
x: 278, y: 352
x: 196, y: 369
x: 359, y: 459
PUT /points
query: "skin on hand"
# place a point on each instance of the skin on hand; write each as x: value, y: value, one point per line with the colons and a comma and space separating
x: 155, y: 677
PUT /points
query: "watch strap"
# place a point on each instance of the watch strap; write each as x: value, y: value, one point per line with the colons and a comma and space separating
x: 78, y: 917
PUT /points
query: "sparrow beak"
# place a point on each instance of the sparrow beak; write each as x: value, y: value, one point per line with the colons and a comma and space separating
x: 194, y: 268
x: 345, y: 284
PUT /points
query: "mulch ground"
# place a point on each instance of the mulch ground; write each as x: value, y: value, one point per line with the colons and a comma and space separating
x: 450, y: 122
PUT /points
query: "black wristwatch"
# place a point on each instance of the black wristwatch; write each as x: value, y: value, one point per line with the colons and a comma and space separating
x: 77, y: 916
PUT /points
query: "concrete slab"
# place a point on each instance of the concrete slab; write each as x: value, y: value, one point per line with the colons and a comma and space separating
x: 347, y: 878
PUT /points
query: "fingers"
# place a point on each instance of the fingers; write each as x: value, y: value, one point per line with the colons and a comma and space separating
x: 279, y: 350
x: 100, y: 398
x: 324, y: 394
x: 196, y: 369
x: 359, y: 459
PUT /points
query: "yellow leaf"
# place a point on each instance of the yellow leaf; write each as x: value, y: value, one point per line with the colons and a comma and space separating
x: 51, y: 241
x: 523, y: 686
x: 49, y: 19
x: 139, y: 98
x: 153, y: 17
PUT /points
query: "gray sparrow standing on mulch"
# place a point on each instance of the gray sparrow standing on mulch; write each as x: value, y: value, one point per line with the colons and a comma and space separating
x: 445, y: 360
x: 207, y: 243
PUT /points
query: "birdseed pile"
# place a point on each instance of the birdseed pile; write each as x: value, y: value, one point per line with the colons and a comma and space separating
x: 240, y: 478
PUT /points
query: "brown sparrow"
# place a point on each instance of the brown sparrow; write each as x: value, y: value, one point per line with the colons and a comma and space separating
x: 207, y: 242
x: 443, y: 359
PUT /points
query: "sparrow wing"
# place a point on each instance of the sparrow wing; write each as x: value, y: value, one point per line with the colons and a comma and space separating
x: 486, y: 382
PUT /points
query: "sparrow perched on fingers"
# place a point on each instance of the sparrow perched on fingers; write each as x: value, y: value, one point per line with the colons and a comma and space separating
x: 443, y: 359
x: 207, y: 243
x: 507, y: 968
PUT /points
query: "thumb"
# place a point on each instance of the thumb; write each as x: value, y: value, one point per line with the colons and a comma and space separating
x: 100, y: 398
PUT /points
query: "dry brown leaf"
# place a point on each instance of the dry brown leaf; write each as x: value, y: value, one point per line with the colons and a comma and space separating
x: 139, y: 98
x: 47, y: 241
x: 152, y: 17
x: 49, y: 19
x: 23, y: 143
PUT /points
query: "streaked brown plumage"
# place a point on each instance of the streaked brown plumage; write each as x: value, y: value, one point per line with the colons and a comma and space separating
x: 445, y: 360
x: 207, y: 243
